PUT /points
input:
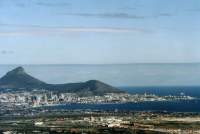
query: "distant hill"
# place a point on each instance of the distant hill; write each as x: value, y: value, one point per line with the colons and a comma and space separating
x: 88, y: 88
x: 19, y: 79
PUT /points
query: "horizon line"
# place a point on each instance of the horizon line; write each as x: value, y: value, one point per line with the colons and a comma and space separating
x: 25, y: 64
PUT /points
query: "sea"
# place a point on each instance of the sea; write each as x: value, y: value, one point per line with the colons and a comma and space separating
x: 155, y: 78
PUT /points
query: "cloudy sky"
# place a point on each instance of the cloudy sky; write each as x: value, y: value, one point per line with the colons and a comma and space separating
x: 99, y: 31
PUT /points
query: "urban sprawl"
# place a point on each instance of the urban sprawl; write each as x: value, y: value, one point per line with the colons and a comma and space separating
x: 37, y: 98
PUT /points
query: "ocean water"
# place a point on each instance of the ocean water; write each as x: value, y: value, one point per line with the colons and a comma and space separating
x: 169, y: 106
x: 193, y: 91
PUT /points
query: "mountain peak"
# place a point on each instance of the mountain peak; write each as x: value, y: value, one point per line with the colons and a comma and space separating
x: 18, y: 70
x: 93, y: 81
x: 18, y: 78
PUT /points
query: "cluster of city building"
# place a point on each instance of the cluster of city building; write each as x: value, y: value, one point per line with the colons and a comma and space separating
x: 38, y: 98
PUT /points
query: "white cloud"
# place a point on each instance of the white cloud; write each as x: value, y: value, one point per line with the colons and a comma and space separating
x: 17, y: 30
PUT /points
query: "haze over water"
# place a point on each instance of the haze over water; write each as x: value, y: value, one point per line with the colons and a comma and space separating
x: 116, y: 75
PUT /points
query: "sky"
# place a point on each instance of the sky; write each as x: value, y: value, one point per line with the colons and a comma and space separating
x: 99, y: 31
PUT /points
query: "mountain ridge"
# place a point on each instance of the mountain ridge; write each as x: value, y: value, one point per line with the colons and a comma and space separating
x: 19, y: 79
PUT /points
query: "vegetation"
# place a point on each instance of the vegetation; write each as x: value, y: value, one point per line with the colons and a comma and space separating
x: 18, y: 79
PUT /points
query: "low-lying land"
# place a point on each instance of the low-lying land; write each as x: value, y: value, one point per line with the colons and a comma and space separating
x: 102, y: 122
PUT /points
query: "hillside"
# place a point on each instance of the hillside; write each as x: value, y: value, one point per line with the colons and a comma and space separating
x: 19, y: 79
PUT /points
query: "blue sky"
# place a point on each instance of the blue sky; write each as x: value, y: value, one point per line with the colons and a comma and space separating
x: 99, y: 31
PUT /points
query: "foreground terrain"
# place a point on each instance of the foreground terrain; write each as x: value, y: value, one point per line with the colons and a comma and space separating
x: 102, y: 122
